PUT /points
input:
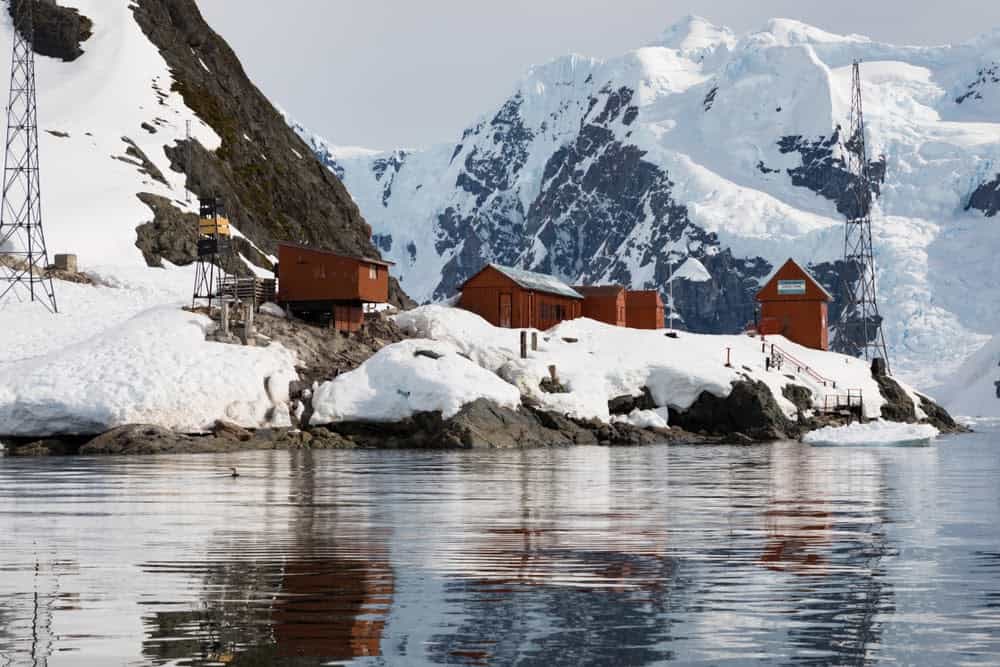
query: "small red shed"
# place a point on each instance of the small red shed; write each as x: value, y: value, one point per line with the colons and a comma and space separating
x: 793, y: 304
x: 604, y: 303
x: 644, y: 309
x: 326, y: 284
x: 518, y: 299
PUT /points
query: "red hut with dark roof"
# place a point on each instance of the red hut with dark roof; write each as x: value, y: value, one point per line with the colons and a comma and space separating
x: 793, y: 304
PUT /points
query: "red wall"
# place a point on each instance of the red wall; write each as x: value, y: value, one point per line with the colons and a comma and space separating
x: 305, y: 274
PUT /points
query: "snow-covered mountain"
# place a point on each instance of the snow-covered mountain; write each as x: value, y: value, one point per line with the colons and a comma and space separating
x: 724, y: 148
x: 120, y: 85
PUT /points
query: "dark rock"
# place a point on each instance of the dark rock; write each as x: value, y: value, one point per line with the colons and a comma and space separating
x: 171, y: 235
x: 58, y: 134
x: 899, y: 406
x: 750, y: 409
x: 45, y: 447
x: 230, y: 431
x: 59, y: 31
x: 623, y: 405
x: 939, y: 418
x: 986, y: 198
x: 552, y: 386
x: 801, y: 397
x: 430, y: 354
x: 149, y: 128
x: 274, y: 186
x: 139, y: 439
x: 144, y: 163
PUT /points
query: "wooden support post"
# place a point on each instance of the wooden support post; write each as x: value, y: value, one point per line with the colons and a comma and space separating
x: 534, y: 341
x: 248, y: 329
x: 553, y: 374
x: 524, y: 344
x: 729, y: 361
x: 225, y: 318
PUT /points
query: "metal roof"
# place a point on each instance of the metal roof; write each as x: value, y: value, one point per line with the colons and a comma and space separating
x: 599, y: 290
x: 538, y: 282
x: 324, y: 251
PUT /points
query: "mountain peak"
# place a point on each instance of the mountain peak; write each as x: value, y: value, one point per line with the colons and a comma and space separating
x: 693, y: 35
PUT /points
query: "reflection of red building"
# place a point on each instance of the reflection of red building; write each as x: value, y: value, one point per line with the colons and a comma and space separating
x: 332, y: 609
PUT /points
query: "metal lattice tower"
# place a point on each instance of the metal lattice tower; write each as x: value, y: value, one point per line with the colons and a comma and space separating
x: 23, y: 255
x: 215, y: 271
x: 859, y: 331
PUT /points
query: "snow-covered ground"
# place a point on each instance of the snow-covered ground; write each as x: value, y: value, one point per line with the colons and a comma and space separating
x: 596, y: 362
x: 89, y: 204
x: 872, y: 433
x: 123, y: 352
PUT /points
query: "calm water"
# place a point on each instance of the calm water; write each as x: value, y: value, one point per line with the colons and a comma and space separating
x: 777, y: 554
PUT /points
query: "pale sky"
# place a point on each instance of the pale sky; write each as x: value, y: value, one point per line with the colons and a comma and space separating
x: 410, y: 73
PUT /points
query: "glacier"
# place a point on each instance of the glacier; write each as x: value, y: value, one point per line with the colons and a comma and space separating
x: 727, y: 149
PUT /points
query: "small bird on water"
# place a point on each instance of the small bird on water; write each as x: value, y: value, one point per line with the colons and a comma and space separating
x: 234, y: 473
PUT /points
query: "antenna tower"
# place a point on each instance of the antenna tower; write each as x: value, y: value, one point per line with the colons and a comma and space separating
x: 23, y: 255
x: 859, y: 331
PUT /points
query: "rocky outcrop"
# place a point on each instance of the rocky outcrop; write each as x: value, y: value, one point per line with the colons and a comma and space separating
x: 750, y: 410
x: 986, y: 198
x: 274, y: 187
x: 899, y: 406
x: 171, y: 235
x: 484, y: 425
x: 59, y: 31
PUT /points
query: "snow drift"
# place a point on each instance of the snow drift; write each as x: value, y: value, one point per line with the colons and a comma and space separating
x: 594, y: 363
x: 155, y: 369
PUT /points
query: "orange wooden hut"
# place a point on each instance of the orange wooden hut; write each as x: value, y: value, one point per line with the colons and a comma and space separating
x: 518, y: 299
x: 793, y: 304
x: 325, y: 284
x: 644, y: 309
x: 604, y: 303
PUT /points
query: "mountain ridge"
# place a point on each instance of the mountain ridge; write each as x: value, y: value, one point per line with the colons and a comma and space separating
x: 599, y: 170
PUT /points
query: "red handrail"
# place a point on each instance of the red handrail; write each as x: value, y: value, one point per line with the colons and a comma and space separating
x: 802, y: 367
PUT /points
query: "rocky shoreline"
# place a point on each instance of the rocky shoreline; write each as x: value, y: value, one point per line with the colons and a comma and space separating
x: 749, y: 414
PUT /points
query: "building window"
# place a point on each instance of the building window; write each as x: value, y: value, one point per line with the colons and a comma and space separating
x: 372, y: 272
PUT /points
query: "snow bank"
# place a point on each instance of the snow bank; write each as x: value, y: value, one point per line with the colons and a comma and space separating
x: 872, y: 433
x: 598, y: 362
x: 155, y: 368
x: 400, y: 380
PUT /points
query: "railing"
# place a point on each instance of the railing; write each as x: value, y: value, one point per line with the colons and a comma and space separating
x: 779, y: 356
x: 853, y: 400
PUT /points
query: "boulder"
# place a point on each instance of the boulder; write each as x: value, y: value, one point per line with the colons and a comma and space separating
x: 750, y: 409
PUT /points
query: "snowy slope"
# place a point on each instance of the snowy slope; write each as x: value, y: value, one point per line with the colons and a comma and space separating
x: 723, y: 148
x: 596, y: 362
x: 89, y: 194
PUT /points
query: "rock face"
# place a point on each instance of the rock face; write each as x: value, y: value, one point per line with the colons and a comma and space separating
x: 59, y: 31
x: 750, y: 410
x: 274, y: 187
x: 986, y: 198
x: 483, y: 425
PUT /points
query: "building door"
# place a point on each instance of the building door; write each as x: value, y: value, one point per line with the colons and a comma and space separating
x: 506, y: 311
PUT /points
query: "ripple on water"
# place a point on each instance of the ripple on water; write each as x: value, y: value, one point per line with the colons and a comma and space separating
x: 714, y: 555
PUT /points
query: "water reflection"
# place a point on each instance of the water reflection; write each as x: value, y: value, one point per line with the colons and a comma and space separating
x: 782, y: 554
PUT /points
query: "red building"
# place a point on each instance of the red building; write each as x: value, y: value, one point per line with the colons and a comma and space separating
x: 794, y: 305
x: 604, y: 303
x: 518, y: 299
x: 644, y: 309
x: 325, y: 284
